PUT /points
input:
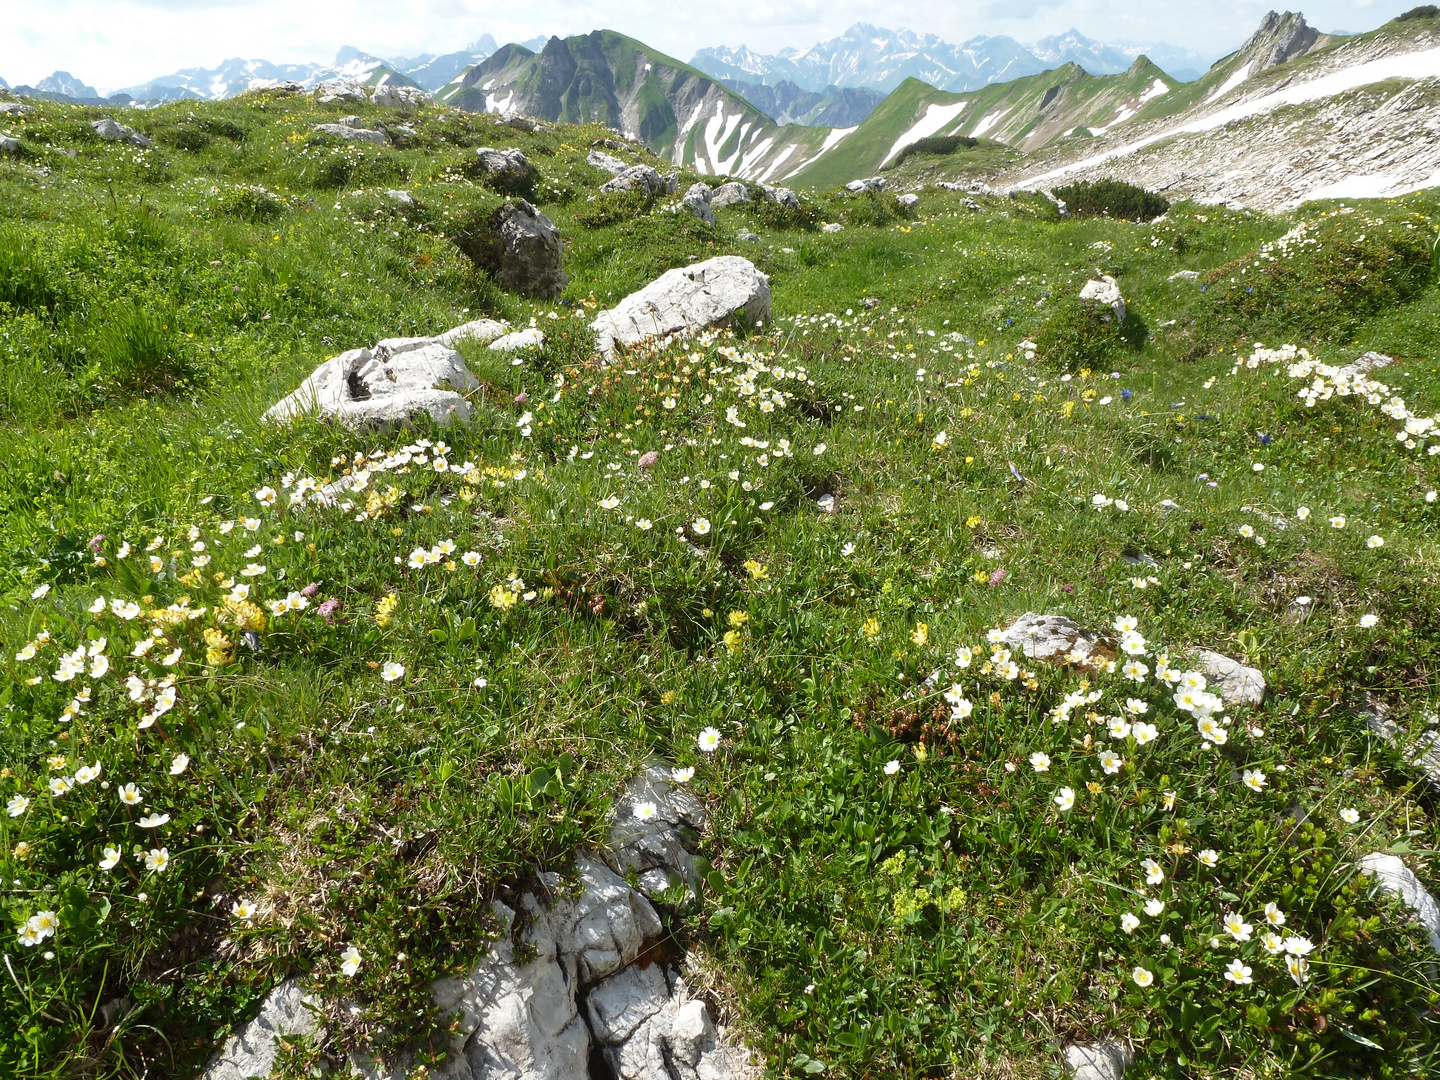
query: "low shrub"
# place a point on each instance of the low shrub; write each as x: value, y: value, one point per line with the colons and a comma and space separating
x: 250, y: 202
x: 613, y: 207
x: 1424, y: 11
x: 1078, y: 334
x: 1111, y: 198
x: 938, y: 145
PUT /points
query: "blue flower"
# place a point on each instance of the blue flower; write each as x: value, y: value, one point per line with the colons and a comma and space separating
x: 1126, y: 394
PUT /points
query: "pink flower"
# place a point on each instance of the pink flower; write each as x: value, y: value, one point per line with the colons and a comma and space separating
x: 96, y: 541
x: 648, y: 458
x: 1067, y: 588
x: 997, y: 577
x: 310, y: 590
x: 522, y: 397
x: 327, y: 609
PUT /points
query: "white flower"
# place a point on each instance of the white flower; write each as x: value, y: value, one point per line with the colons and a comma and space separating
x: 1298, y: 968
x: 1129, y: 922
x: 1154, y: 907
x: 1065, y: 799
x: 86, y: 773
x: 1273, y: 915
x: 253, y: 570
x: 243, y: 909
x: 17, y: 805
x: 683, y: 776
x: 40, y: 592
x: 1254, y: 779
x: 819, y: 449
x: 392, y: 671
x: 1369, y: 621
x: 350, y: 961
x: 1125, y: 624
x: 1338, y: 521
x: 153, y: 821
x: 1237, y: 927
x: 1349, y: 815
x: 1298, y: 946
x: 960, y: 709
x: 644, y: 524
x: 1375, y: 542
x: 1143, y: 978
x: 1118, y: 727
x: 157, y: 859
x: 1111, y: 762
x: 130, y: 795
x: 1040, y: 762
x: 708, y: 740
x: 1274, y: 944
x: 609, y: 503
x: 265, y: 496
x: 963, y: 657
x: 700, y: 526
x: 1154, y: 875
x: 97, y: 606
x: 1144, y: 733
x: 892, y: 767
x: 1238, y: 973
x: 59, y: 785
x: 112, y: 856
x: 644, y: 811
x: 1302, y: 512
x: 1209, y: 858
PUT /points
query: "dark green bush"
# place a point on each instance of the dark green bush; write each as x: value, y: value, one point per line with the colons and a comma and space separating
x: 1111, y: 198
x: 1078, y: 334
x: 190, y: 137
x: 613, y: 207
x: 939, y: 145
x: 250, y: 202
x: 1321, y: 280
x: 1424, y: 11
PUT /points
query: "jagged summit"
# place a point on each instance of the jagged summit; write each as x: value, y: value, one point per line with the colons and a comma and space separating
x: 1280, y: 38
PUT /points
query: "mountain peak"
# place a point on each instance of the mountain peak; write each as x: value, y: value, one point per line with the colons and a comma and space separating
x: 1281, y: 37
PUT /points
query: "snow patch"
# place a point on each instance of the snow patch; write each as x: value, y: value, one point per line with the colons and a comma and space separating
x: 936, y: 116
x: 1229, y: 84
x: 1156, y: 89
x: 987, y: 123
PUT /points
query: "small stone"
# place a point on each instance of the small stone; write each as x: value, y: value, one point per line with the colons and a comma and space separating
x: 520, y: 339
x: 868, y: 185
x: 111, y: 131
x: 697, y: 201
x: 1105, y: 290
x: 8, y: 145
x: 353, y: 134
x: 1236, y: 683
x: 1184, y: 275
x: 1101, y: 1061
x: 908, y: 201
x: 1394, y: 877
x: 1041, y: 637
x: 831, y: 227
x: 746, y: 237
x: 482, y: 331
x: 601, y: 160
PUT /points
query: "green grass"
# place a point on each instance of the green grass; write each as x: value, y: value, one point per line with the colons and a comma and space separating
x: 946, y: 918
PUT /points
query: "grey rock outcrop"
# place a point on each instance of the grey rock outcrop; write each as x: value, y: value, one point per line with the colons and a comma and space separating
x: 14, y: 108
x: 1099, y: 1061
x: 529, y: 338
x: 481, y: 331
x: 716, y: 292
x: 250, y: 1053
x: 1184, y: 275
x: 657, y: 849
x: 832, y: 227
x: 521, y: 250
x: 506, y: 170
x: 1046, y: 637
x: 780, y: 196
x: 353, y: 134
x: 113, y: 131
x: 399, y: 96
x: 606, y: 162
x: 732, y: 194
x: 346, y: 90
x: 1105, y: 290
x: 1423, y: 753
x: 1394, y: 877
x: 1278, y: 39
x: 867, y: 186
x: 8, y: 145
x: 908, y: 201
x: 697, y: 201
x: 384, y: 387
x: 641, y: 178
x: 1235, y: 683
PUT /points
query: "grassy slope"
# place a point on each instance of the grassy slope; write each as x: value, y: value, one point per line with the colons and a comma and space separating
x: 157, y: 306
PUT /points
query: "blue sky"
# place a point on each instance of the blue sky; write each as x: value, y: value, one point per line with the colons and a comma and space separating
x: 113, y: 43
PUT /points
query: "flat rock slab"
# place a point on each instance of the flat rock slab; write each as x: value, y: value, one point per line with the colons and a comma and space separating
x: 113, y: 131
x: 715, y: 292
x: 250, y: 1054
x: 1236, y: 683
x: 655, y: 850
x: 1394, y: 877
x: 1100, y: 1061
x: 1048, y: 637
x: 384, y: 387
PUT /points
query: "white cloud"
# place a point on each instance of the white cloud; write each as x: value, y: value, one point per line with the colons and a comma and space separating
x: 111, y: 44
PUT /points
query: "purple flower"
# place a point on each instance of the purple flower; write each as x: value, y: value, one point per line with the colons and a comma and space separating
x: 522, y: 397
x: 997, y: 577
x: 310, y: 590
x: 96, y: 541
x: 328, y: 609
x: 648, y: 458
x: 1067, y: 588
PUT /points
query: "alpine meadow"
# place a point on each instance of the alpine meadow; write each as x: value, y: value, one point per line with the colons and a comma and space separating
x: 996, y: 637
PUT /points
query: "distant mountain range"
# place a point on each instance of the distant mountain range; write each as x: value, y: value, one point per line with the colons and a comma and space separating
x: 877, y: 59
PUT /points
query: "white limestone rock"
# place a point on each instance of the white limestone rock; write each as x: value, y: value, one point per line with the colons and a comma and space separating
x: 697, y: 201
x: 1235, y: 683
x: 606, y: 162
x: 481, y: 331
x: 521, y: 339
x: 1045, y: 637
x: 711, y: 293
x: 384, y: 387
x: 732, y: 194
x: 523, y: 251
x: 509, y: 169
x: 832, y: 227
x: 398, y: 96
x: 1394, y: 877
x: 112, y: 131
x: 780, y: 196
x: 250, y: 1053
x: 353, y: 134
x: 1100, y: 1061
x: 1105, y: 290
x: 642, y: 178
x: 8, y: 145
x: 655, y: 849
x: 1184, y: 275
x: 347, y: 90
x: 908, y: 201
x: 869, y: 185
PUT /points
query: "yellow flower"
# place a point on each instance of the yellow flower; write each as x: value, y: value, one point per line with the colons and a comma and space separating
x: 973, y: 521
x: 733, y: 640
x: 707, y: 613
x: 980, y: 576
x: 738, y: 618
x: 871, y: 627
x: 1067, y: 409
x: 1094, y: 788
x: 385, y: 609
x: 243, y: 614
x: 503, y: 598
x: 920, y: 635
x: 667, y: 698
x: 217, y: 652
x: 756, y: 570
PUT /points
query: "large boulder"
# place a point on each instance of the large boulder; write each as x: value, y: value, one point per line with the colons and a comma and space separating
x: 519, y: 248
x: 509, y: 171
x: 642, y: 178
x: 113, y: 131
x: 870, y: 185
x: 715, y: 292
x: 1105, y: 290
x: 353, y: 134
x: 398, y: 96
x: 384, y: 387
x: 908, y: 201
x: 250, y: 1053
x: 780, y: 196
x: 732, y: 194
x: 697, y: 201
x: 347, y: 90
